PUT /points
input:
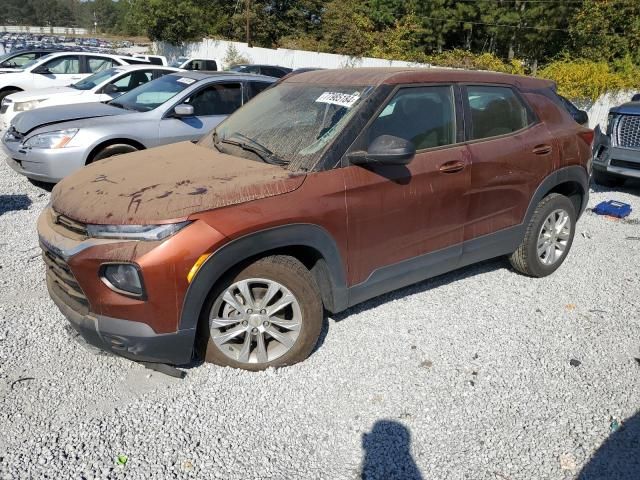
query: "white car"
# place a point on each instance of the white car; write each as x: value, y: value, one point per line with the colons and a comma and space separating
x: 194, y: 63
x: 99, y: 87
x: 58, y: 69
x: 154, y: 59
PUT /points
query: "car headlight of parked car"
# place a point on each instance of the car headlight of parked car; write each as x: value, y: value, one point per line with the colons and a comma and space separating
x: 24, y: 106
x: 123, y: 278
x: 56, y: 139
x: 136, y: 232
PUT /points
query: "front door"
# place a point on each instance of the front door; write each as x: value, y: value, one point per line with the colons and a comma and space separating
x: 58, y: 72
x: 211, y: 104
x: 398, y: 213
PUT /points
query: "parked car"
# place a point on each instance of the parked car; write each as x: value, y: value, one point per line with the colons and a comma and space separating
x: 57, y: 69
x: 49, y: 143
x: 99, y: 87
x: 616, y: 156
x: 269, y: 70
x: 16, y: 59
x: 207, y: 64
x: 331, y: 188
x: 153, y: 59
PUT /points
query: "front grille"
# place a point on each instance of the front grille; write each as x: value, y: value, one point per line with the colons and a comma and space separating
x: 628, y: 131
x: 70, y: 224
x: 62, y: 277
x: 625, y: 164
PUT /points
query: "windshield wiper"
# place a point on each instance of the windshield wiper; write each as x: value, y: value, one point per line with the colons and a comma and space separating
x: 122, y: 105
x: 266, y: 155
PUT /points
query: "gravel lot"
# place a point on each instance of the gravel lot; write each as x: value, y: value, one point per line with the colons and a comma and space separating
x: 466, y: 376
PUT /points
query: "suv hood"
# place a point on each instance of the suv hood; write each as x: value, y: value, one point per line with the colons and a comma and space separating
x: 629, y: 108
x: 41, y: 93
x: 27, y: 121
x: 166, y: 183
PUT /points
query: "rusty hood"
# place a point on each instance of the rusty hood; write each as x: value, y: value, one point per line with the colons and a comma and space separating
x: 166, y: 183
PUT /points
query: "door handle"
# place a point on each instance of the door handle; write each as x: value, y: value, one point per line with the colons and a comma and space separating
x: 542, y: 149
x: 452, y: 167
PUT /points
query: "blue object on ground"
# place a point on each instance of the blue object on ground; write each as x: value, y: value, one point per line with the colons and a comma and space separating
x: 613, y: 209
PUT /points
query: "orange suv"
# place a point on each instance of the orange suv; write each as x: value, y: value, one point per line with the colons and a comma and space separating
x: 331, y: 188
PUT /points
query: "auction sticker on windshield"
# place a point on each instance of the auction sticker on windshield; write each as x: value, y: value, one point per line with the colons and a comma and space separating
x: 188, y: 81
x: 342, y: 99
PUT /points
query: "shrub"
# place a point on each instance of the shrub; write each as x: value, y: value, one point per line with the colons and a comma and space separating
x: 486, y: 61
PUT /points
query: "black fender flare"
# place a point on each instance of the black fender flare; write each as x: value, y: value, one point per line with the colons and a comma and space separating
x: 254, y: 244
x: 574, y: 173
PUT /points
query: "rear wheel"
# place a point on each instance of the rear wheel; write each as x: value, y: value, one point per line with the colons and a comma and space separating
x: 111, y: 150
x: 607, y: 180
x: 268, y: 314
x: 548, y: 238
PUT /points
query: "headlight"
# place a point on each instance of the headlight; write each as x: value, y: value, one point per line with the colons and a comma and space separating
x: 135, y: 232
x: 57, y: 139
x: 122, y: 278
x: 24, y: 106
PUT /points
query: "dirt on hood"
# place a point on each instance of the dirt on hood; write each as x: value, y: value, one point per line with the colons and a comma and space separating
x: 166, y: 183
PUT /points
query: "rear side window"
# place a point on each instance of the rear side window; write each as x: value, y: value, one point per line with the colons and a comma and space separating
x: 98, y: 64
x: 217, y: 99
x: 63, y: 65
x: 495, y: 111
x: 424, y: 116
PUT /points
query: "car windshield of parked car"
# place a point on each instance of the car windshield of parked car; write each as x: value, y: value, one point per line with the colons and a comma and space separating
x: 31, y: 63
x: 291, y: 124
x: 153, y: 94
x: 96, y: 79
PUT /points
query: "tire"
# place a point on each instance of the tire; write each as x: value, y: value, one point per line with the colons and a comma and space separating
x: 527, y: 259
x: 7, y: 92
x: 44, y: 185
x: 306, y: 311
x: 111, y: 150
x: 607, y: 180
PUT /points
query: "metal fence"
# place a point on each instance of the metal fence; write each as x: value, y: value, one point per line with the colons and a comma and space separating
x: 43, y: 30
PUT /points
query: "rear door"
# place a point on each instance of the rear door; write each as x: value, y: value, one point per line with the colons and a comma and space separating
x: 95, y: 64
x: 58, y: 72
x: 511, y: 153
x: 211, y: 104
x: 397, y: 213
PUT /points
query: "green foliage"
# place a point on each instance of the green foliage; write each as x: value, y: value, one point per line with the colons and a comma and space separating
x: 234, y: 57
x: 589, y: 79
x: 485, y: 61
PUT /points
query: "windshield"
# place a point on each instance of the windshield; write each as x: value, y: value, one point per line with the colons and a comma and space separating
x: 291, y: 124
x: 178, y: 61
x: 153, y: 94
x: 96, y: 79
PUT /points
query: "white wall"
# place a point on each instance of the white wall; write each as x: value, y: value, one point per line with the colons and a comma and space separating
x: 43, y: 30
x: 599, y: 110
x: 217, y: 49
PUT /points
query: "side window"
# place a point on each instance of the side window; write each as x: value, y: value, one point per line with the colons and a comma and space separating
x: 211, y: 65
x: 98, y: 64
x: 495, y: 111
x: 19, y: 60
x: 256, y: 87
x: 272, y: 72
x: 423, y: 115
x: 216, y: 99
x: 63, y: 65
x: 132, y: 80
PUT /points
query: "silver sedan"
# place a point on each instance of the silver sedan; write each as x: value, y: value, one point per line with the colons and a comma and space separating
x: 49, y: 143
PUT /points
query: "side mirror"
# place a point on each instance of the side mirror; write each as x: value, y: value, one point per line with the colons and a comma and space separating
x: 110, y: 89
x: 41, y: 71
x: 636, y: 98
x: 183, y: 110
x: 386, y: 150
x: 581, y: 117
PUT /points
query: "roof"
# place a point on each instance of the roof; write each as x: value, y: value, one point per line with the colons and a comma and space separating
x: 394, y: 75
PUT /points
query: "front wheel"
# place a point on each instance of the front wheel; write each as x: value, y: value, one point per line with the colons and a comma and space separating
x: 112, y: 150
x: 268, y: 315
x: 548, y: 238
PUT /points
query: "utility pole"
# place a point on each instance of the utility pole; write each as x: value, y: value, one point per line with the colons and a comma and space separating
x: 248, y: 25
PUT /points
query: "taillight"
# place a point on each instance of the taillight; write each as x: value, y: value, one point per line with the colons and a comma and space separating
x: 587, y: 136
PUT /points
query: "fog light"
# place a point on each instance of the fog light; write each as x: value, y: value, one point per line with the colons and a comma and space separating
x: 123, y: 278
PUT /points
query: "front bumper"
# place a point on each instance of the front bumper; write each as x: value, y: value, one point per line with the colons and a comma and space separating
x: 623, y: 162
x: 133, y: 340
x: 45, y: 165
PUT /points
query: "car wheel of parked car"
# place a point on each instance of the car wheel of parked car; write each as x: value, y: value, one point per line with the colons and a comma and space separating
x: 607, y: 180
x: 111, y: 150
x: 548, y: 238
x: 9, y: 91
x: 268, y: 314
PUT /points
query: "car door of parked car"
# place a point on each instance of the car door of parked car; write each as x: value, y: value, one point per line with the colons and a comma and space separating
x: 122, y: 84
x: 398, y: 214
x: 211, y: 104
x: 511, y: 153
x: 59, y: 71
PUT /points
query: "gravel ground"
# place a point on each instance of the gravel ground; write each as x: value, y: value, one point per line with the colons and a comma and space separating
x: 467, y: 376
